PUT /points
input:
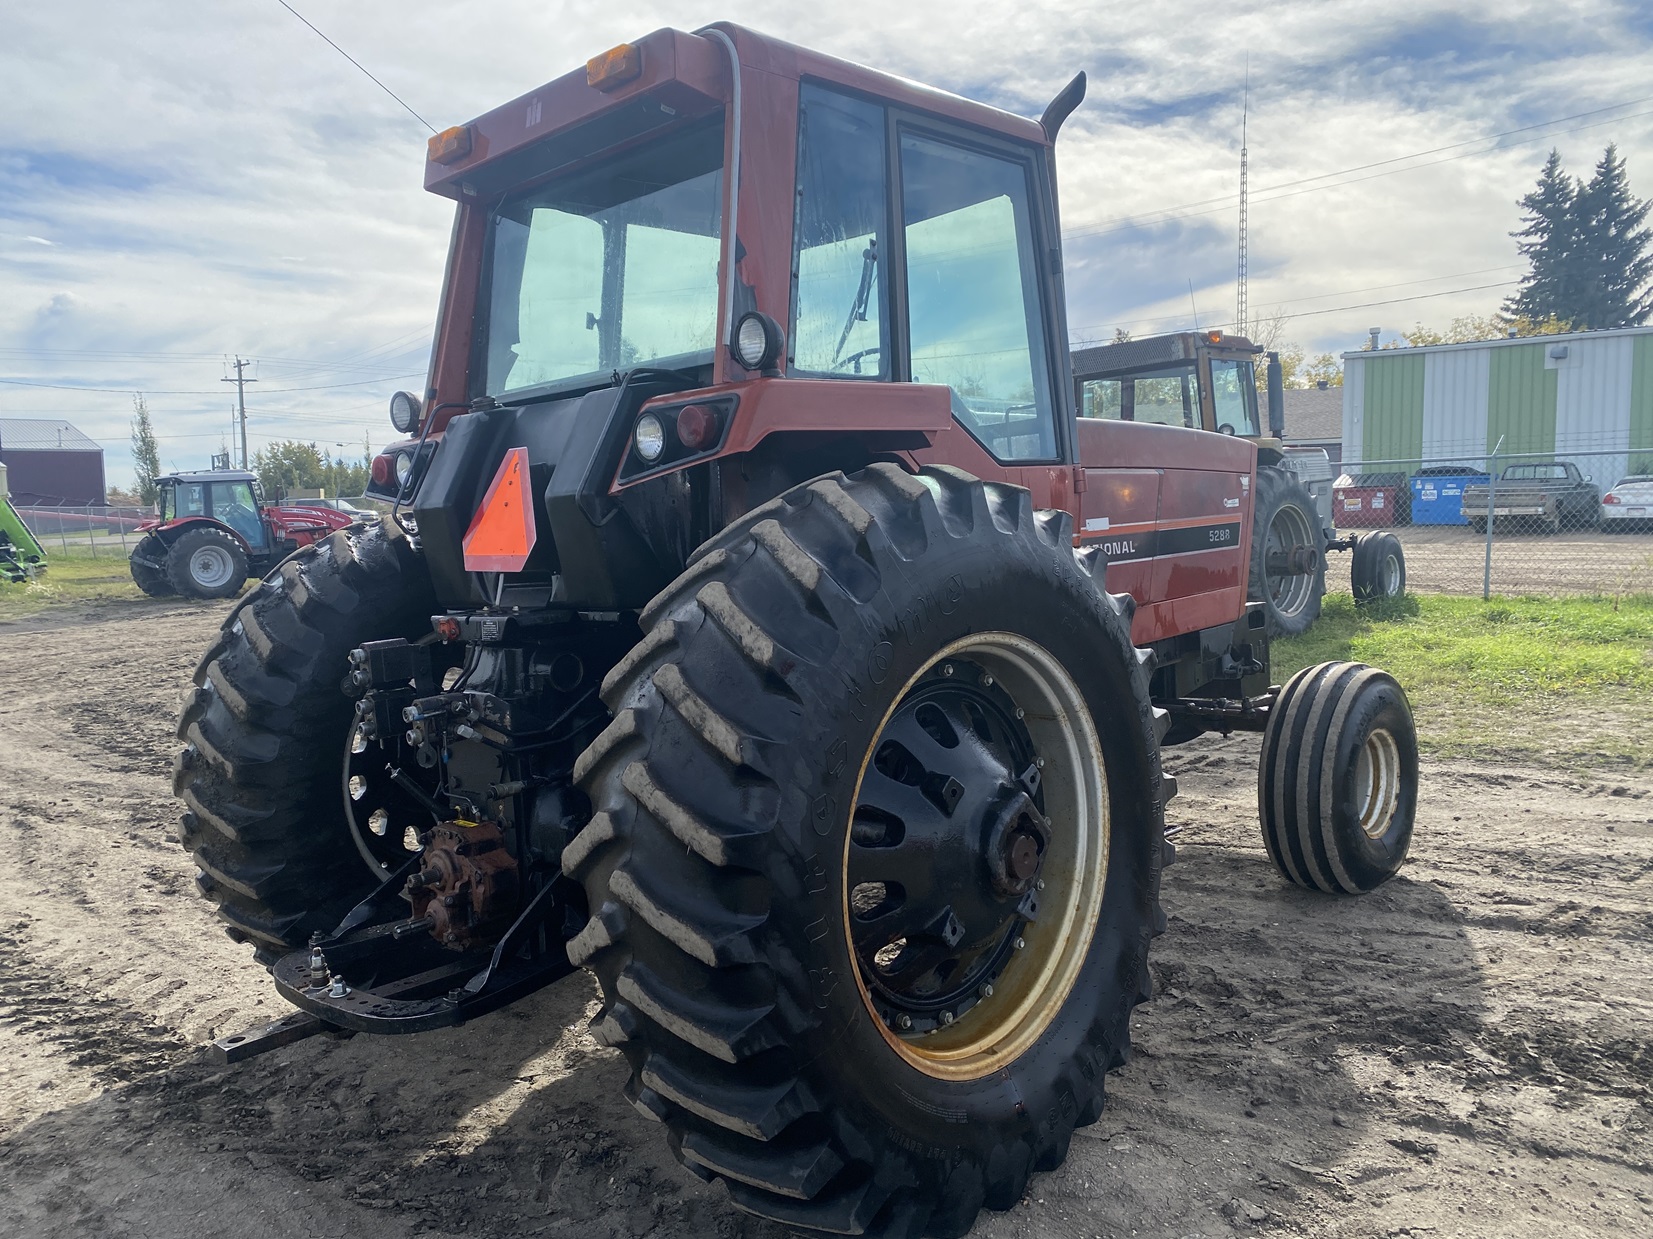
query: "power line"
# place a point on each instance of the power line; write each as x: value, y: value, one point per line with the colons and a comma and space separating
x: 390, y: 378
x: 1185, y: 210
x: 1084, y: 330
x: 358, y: 64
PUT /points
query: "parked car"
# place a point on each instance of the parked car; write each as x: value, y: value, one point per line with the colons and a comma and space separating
x: 337, y: 505
x: 1553, y: 495
x: 1629, y: 504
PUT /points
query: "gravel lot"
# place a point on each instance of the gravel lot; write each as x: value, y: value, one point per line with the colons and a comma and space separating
x: 1466, y: 1052
x: 1450, y: 559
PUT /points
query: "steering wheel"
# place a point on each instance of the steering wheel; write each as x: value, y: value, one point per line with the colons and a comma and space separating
x: 855, y: 359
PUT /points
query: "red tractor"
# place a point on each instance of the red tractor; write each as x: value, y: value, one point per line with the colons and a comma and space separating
x: 214, y: 528
x: 761, y: 629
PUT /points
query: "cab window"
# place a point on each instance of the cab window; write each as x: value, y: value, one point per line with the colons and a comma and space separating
x: 839, y: 328
x: 1234, y: 398
x: 190, y: 498
x: 1168, y: 399
x: 975, y: 316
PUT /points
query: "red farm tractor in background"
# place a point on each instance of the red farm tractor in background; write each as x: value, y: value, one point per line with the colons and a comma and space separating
x: 761, y: 627
x: 215, y: 529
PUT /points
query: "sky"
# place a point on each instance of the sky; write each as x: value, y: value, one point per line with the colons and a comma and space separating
x: 184, y: 182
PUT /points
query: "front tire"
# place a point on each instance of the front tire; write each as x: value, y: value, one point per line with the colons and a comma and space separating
x: 265, y: 724
x: 1337, y: 780
x: 749, y: 792
x: 1285, y: 516
x: 206, y: 563
x: 1378, y: 568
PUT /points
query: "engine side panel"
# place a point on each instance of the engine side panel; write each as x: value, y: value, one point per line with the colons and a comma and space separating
x: 1171, y: 510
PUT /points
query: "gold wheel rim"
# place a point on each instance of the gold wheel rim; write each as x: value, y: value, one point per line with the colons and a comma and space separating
x: 1036, y: 982
x: 1377, y: 782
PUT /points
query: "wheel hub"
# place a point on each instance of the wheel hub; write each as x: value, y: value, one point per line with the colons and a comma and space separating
x: 976, y: 856
x: 947, y: 841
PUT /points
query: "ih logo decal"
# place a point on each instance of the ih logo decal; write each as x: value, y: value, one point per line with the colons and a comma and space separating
x: 502, y: 532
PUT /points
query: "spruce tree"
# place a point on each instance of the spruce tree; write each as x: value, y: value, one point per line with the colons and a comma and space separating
x: 146, y: 452
x: 1549, y: 241
x: 1613, y: 248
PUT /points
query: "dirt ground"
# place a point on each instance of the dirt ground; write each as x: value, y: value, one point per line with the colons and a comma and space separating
x: 1467, y: 1052
x: 1452, y: 560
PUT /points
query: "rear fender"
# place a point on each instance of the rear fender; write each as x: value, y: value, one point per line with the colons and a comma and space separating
x: 173, y: 530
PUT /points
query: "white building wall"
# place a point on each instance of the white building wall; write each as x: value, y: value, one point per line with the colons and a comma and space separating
x: 1592, y: 405
x: 1354, y: 422
x: 1455, y: 405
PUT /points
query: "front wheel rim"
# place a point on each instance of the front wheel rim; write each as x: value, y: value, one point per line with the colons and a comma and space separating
x: 1377, y: 782
x: 1012, y: 976
x: 1391, y: 576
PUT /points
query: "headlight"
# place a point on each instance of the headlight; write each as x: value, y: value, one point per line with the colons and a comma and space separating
x: 649, y: 438
x: 757, y: 343
x: 404, y: 412
x: 404, y: 466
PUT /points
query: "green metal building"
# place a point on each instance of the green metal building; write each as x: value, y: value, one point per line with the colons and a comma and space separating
x: 1587, y: 396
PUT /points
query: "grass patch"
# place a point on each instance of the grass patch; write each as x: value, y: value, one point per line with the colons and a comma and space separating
x: 1549, y: 680
x: 70, y: 580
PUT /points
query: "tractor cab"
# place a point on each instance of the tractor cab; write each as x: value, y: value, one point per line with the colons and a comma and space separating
x: 1201, y: 380
x: 235, y: 500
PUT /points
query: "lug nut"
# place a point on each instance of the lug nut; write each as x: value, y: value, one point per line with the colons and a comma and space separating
x: 1039, y: 885
x: 946, y: 668
x: 946, y: 1017
x: 1039, y: 762
x: 358, y: 787
x: 987, y: 990
x: 904, y: 1021
x: 987, y: 681
x: 378, y: 822
x: 1020, y: 713
x: 1020, y: 943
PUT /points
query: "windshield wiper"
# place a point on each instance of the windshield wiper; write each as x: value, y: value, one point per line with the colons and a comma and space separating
x: 858, y: 310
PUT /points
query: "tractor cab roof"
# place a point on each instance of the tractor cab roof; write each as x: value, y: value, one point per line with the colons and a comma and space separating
x: 636, y: 88
x: 1154, y: 351
x: 208, y: 475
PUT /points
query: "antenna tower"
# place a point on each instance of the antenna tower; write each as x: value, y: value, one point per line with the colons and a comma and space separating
x: 1241, y: 310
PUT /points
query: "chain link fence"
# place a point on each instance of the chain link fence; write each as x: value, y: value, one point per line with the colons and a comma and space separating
x: 95, y: 531
x: 1573, y: 522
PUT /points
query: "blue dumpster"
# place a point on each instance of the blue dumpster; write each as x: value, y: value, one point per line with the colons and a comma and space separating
x: 1438, y: 494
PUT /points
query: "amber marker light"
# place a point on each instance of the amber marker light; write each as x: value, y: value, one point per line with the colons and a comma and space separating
x: 450, y: 146
x: 614, y: 68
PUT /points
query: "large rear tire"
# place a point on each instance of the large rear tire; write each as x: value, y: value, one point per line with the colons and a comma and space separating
x: 816, y: 746
x: 1284, y: 517
x: 265, y: 725
x: 206, y: 563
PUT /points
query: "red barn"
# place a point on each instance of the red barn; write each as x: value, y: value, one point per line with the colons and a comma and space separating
x: 50, y: 464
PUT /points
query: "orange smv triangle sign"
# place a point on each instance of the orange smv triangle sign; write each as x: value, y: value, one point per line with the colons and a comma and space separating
x: 502, y: 532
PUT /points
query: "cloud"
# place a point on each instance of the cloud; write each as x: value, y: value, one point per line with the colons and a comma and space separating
x: 182, y: 182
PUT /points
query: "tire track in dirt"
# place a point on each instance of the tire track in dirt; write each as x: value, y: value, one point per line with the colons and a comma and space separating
x: 1463, y: 1052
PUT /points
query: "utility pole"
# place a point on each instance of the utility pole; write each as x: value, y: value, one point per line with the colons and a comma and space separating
x: 241, y: 380
x: 1241, y: 310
